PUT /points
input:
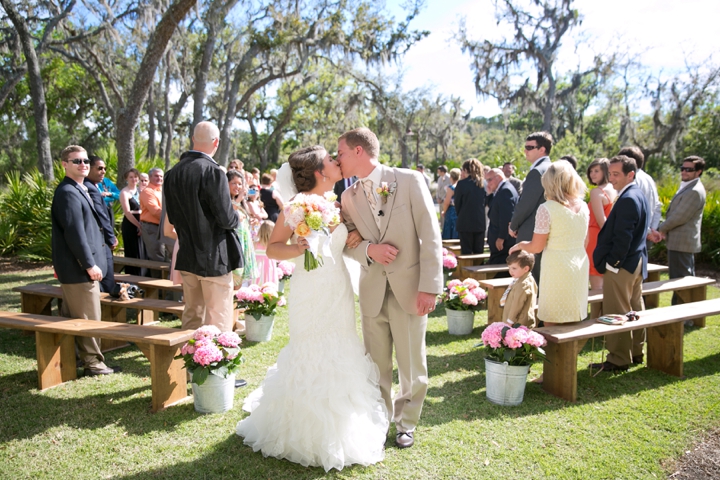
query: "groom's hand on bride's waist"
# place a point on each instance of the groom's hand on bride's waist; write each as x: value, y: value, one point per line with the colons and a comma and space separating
x: 382, y: 253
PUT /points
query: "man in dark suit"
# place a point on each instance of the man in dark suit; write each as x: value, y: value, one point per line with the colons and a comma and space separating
x: 78, y: 253
x: 198, y: 206
x: 95, y: 176
x: 621, y: 255
x: 505, y: 198
x: 342, y: 185
x: 522, y: 225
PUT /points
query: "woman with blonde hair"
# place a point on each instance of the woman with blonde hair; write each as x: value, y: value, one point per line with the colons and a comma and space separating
x: 470, y: 207
x: 601, y: 202
x: 561, y: 225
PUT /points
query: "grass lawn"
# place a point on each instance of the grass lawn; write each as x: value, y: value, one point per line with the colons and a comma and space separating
x: 631, y: 425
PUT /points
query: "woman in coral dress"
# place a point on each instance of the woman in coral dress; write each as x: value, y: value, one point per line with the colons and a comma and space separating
x: 601, y: 202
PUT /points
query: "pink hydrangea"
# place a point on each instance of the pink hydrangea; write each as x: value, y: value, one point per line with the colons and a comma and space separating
x: 479, y: 293
x: 449, y: 261
x: 206, y: 331
x: 453, y: 283
x: 229, y: 339
x: 471, y: 283
x: 469, y: 299
x: 187, y: 349
x: 492, y: 335
x: 281, y: 301
x: 287, y: 268
x: 516, y: 337
x: 535, y: 339
x: 207, y: 354
x: 445, y: 251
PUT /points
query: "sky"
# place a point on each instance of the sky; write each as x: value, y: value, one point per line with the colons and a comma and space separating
x: 665, y: 33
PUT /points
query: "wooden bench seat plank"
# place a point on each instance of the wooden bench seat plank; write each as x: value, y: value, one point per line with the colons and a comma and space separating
x: 142, y: 263
x: 117, y: 331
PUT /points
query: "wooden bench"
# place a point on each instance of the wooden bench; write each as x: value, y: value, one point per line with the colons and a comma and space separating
x: 665, y: 328
x: 689, y: 289
x: 55, y: 349
x: 469, y: 260
x: 152, y: 287
x: 484, y: 272
x: 121, y: 262
x: 37, y: 298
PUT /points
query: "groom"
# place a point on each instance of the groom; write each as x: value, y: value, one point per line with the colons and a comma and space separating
x: 400, y: 255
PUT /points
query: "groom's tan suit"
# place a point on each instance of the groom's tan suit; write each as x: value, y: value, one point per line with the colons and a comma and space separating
x: 388, y: 293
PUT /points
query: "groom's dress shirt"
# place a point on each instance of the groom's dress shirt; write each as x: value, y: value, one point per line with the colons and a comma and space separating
x: 375, y: 176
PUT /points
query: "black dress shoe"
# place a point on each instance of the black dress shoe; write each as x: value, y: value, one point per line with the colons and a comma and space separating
x: 404, y: 439
x: 608, y: 367
x: 240, y: 383
x: 637, y: 360
x: 90, y: 372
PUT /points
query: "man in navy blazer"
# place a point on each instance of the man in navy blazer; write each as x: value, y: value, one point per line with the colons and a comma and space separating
x: 621, y: 255
x: 78, y: 253
x: 522, y: 225
x: 501, y: 211
x: 95, y: 177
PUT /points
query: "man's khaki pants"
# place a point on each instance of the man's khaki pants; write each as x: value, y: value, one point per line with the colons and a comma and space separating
x: 208, y: 301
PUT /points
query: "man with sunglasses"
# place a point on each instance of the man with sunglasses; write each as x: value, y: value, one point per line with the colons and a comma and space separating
x: 78, y: 253
x: 522, y: 225
x: 95, y: 178
x: 683, y: 219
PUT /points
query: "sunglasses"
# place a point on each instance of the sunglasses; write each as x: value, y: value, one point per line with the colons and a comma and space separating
x: 531, y: 147
x: 78, y: 161
x: 687, y: 169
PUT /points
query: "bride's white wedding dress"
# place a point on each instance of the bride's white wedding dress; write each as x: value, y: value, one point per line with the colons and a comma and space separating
x: 320, y: 404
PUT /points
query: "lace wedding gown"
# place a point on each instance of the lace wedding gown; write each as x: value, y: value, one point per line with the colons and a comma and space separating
x: 320, y: 404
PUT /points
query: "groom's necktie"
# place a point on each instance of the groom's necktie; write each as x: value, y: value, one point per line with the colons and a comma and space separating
x: 369, y: 193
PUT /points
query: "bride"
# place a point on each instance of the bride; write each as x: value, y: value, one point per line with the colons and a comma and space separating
x: 320, y: 404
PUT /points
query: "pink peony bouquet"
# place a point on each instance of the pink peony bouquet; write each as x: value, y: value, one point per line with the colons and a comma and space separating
x: 258, y: 300
x: 285, y: 270
x: 211, y: 351
x: 311, y: 216
x: 463, y: 295
x: 517, y: 344
x: 449, y: 261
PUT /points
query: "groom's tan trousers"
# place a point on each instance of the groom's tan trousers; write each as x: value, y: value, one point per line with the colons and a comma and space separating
x: 407, y: 333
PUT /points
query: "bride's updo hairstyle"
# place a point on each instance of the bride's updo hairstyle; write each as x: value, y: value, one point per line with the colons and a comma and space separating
x: 304, y: 163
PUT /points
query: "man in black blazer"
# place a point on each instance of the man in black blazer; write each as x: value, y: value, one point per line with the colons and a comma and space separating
x: 621, y: 255
x: 95, y: 176
x: 469, y: 201
x: 522, y: 225
x: 505, y: 198
x: 198, y: 205
x: 342, y: 185
x: 78, y: 253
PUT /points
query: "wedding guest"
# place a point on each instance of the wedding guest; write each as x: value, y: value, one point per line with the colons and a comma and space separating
x: 238, y: 192
x: 255, y: 208
x: 470, y: 207
x: 92, y: 182
x: 267, y: 267
x: 647, y: 185
x: 130, y: 227
x: 501, y: 211
x: 571, y: 160
x: 509, y: 171
x: 520, y: 298
x: 144, y: 181
x: 235, y: 165
x: 449, y: 214
x: 271, y: 200
x: 255, y: 175
x: 601, y: 202
x: 443, y: 182
x: 421, y: 168
x: 151, y: 209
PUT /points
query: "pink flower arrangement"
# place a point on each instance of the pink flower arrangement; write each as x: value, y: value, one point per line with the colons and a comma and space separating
x: 463, y: 295
x: 449, y: 261
x: 210, y: 351
x: 285, y: 270
x: 517, y: 344
x: 258, y: 300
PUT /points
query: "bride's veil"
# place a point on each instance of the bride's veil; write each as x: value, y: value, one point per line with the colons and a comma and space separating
x: 285, y: 182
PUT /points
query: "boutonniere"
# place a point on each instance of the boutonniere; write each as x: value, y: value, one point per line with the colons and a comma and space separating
x: 385, y: 190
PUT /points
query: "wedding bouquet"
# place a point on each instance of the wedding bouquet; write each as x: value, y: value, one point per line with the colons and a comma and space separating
x: 517, y: 344
x: 463, y: 295
x: 285, y: 270
x: 258, y: 300
x: 449, y: 261
x: 211, y: 352
x: 311, y: 216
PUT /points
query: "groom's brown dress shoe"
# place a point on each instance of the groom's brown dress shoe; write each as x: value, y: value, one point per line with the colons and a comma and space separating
x: 404, y: 439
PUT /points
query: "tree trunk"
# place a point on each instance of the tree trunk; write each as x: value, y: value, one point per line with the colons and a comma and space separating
x: 549, y: 104
x: 37, y: 90
x: 128, y: 117
x: 168, y: 120
x: 150, y: 108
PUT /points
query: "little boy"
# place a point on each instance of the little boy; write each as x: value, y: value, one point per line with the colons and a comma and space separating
x: 520, y: 298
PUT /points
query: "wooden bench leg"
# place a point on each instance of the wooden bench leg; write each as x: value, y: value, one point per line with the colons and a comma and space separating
x: 56, y: 359
x: 652, y: 301
x: 169, y: 377
x: 146, y: 317
x: 39, y: 304
x: 560, y: 369
x: 111, y: 313
x: 696, y: 294
x: 665, y: 348
x: 596, y: 310
x: 495, y: 311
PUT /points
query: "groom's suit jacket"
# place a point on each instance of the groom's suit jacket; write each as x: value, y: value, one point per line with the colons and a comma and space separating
x: 409, y: 224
